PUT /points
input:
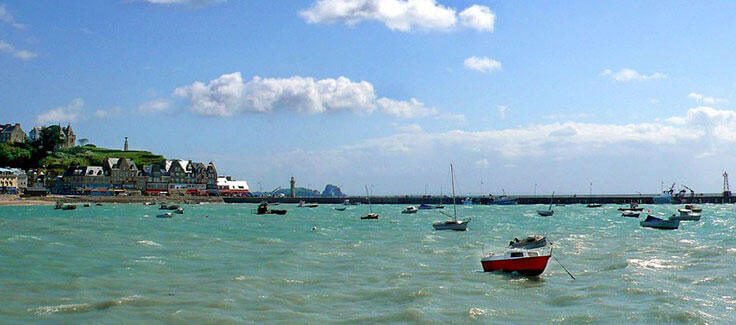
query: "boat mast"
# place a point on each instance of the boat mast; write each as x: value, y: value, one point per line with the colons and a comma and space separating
x: 369, y: 199
x: 551, y: 200
x: 454, y: 208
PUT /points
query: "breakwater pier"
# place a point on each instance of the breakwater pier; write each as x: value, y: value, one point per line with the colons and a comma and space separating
x: 520, y: 199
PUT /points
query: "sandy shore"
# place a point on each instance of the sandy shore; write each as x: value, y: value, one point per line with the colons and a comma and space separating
x: 14, y: 200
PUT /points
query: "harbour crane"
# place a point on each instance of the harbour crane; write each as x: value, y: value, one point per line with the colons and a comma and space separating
x: 692, y: 193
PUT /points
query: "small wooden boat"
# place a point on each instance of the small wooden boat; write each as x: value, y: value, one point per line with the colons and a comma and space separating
x: 630, y: 214
x: 654, y: 222
x: 165, y: 215
x: 69, y: 207
x: 545, y: 213
x: 87, y: 205
x: 340, y: 208
x: 633, y: 206
x: 410, y: 209
x: 594, y: 205
x: 530, y: 242
x: 98, y: 204
x: 522, y: 261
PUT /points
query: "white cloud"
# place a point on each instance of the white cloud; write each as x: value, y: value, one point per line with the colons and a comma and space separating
x: 654, y: 101
x: 409, y: 128
x: 482, y: 64
x: 707, y: 99
x: 478, y: 17
x: 501, y: 111
x: 20, y: 54
x: 156, y: 105
x: 184, y: 2
x: 401, y: 15
x: 228, y: 95
x: 405, y: 109
x: 625, y: 75
x: 7, y: 17
x: 69, y: 113
x: 452, y: 117
x: 107, y: 113
x: 483, y: 163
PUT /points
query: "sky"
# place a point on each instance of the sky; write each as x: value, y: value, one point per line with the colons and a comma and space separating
x: 522, y: 97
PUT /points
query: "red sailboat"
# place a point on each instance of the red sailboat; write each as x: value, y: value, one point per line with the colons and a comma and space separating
x: 522, y: 261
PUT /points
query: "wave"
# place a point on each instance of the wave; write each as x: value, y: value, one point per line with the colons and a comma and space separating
x: 85, y: 307
x: 149, y: 243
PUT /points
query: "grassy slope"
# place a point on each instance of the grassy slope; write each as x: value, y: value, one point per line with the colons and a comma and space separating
x: 91, y: 156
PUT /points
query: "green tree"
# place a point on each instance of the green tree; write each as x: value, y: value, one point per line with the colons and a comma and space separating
x: 50, y: 138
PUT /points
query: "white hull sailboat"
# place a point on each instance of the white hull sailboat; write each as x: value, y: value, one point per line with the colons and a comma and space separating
x: 458, y: 225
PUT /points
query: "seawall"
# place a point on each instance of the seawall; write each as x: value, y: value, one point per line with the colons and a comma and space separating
x: 521, y: 199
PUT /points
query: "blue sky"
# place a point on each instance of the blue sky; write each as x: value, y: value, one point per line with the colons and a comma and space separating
x: 622, y: 94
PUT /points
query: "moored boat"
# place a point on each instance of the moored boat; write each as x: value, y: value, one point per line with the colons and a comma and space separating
x: 168, y: 207
x: 503, y: 200
x: 180, y: 211
x: 69, y: 207
x: 454, y: 224
x: 410, y: 209
x: 522, y: 261
x: 545, y: 213
x: 654, y: 222
x: 685, y: 215
x: 693, y: 208
x: 302, y: 204
x: 630, y: 214
x: 371, y: 215
x: 425, y: 207
x: 165, y: 215
x: 594, y: 205
x: 530, y: 242
x: 263, y: 209
x: 340, y: 208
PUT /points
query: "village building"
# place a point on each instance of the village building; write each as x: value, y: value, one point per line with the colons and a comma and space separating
x: 228, y: 186
x: 12, y: 180
x: 35, y: 134
x: 91, y: 180
x: 12, y: 133
x: 123, y: 173
x: 68, y: 137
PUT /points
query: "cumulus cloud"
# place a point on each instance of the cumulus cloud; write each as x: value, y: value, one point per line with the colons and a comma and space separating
x: 478, y: 17
x: 482, y: 64
x: 229, y: 94
x: 626, y: 74
x: 707, y: 99
x: 153, y: 106
x: 409, y: 128
x: 7, y: 17
x: 69, y: 113
x: 401, y: 15
x: 405, y: 109
x: 18, y: 53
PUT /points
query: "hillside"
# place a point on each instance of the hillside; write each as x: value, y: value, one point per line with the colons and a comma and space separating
x: 93, y: 156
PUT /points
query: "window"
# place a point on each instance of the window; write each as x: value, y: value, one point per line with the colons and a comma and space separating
x: 517, y: 254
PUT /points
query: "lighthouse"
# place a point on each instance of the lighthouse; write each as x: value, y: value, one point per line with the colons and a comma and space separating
x: 125, y: 147
x: 293, y: 187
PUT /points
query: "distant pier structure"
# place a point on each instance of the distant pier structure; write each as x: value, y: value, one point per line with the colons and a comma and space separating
x: 125, y: 147
x: 292, y: 193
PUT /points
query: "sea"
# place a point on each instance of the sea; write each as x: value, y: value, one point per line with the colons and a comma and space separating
x: 220, y: 263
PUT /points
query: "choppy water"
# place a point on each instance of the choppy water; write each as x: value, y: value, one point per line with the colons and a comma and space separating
x: 120, y: 264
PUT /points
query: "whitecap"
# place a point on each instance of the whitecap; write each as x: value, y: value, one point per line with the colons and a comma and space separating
x: 474, y: 312
x: 149, y: 243
x: 651, y: 264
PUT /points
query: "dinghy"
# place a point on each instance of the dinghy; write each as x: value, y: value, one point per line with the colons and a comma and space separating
x: 530, y: 242
x: 654, y: 222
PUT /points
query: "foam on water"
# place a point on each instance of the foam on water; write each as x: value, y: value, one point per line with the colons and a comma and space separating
x: 63, y: 267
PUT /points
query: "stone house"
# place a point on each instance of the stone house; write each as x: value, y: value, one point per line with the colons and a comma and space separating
x: 12, y: 133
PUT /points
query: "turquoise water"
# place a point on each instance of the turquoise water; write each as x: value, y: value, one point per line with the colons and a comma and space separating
x: 120, y: 264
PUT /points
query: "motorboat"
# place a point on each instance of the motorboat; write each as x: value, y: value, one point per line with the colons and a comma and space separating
x: 693, y: 208
x: 522, y: 261
x: 165, y: 215
x: 263, y: 209
x: 410, y: 209
x: 630, y: 214
x: 302, y: 204
x: 654, y: 222
x: 425, y: 207
x: 664, y: 198
x: 530, y: 242
x: 180, y: 211
x: 467, y: 201
x: 454, y: 224
x: 594, y: 205
x: 685, y: 215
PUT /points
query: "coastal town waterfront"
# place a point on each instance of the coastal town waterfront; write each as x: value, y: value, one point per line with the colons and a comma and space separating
x: 220, y: 263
